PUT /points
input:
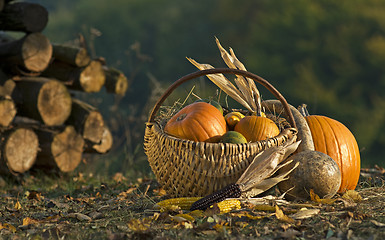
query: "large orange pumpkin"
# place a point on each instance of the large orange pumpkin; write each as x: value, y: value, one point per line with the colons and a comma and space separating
x: 335, y: 139
x: 256, y: 128
x: 198, y: 122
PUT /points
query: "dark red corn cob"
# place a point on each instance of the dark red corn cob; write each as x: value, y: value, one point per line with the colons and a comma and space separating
x: 230, y: 191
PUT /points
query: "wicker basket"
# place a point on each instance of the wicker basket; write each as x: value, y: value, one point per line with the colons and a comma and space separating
x: 188, y: 168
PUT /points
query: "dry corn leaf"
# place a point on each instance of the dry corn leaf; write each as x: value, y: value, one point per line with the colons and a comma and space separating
x: 305, y: 213
x: 315, y: 198
x: 223, y: 83
x: 243, y: 85
x: 264, y: 165
x: 352, y: 195
x: 282, y: 217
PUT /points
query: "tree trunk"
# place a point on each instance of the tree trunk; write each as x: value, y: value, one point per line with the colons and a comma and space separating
x: 43, y: 99
x: 60, y: 149
x: 19, y: 147
x: 74, y: 56
x: 32, y: 52
x: 116, y: 81
x: 23, y: 16
x: 87, y: 120
x: 88, y: 79
x: 104, y: 146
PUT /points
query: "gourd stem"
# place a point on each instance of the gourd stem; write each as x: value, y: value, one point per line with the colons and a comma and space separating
x: 303, y: 110
x: 304, y: 133
x: 193, y: 75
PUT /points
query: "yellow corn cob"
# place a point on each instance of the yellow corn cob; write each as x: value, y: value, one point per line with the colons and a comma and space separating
x: 228, y: 205
x: 184, y: 202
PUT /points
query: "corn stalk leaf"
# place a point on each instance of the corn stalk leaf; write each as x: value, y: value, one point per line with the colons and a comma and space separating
x: 246, y: 85
x: 240, y: 81
x: 268, y: 183
x: 265, y: 164
x: 223, y: 83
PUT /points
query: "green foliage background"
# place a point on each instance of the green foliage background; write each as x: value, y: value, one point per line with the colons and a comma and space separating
x: 328, y: 54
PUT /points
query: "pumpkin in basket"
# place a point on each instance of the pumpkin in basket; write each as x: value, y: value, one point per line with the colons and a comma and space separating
x: 257, y: 128
x: 335, y: 139
x: 199, y: 121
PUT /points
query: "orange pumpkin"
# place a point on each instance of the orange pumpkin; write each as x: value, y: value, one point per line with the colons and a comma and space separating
x: 256, y: 128
x: 334, y: 139
x: 198, y: 122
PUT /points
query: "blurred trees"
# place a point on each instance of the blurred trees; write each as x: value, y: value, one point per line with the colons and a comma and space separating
x: 327, y: 54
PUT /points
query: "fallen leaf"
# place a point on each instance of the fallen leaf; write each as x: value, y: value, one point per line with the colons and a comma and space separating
x: 33, y: 195
x: 252, y: 217
x: 187, y: 225
x: 80, y: 216
x: 186, y: 216
x: 221, y: 227
x: 304, y: 213
x: 126, y: 193
x: 290, y: 234
x: 264, y: 207
x: 138, y: 225
x: 281, y: 216
x: 352, y: 196
x: 315, y: 198
x: 241, y: 224
x: 7, y: 226
x: 28, y: 221
x: 196, y: 213
x: 17, y: 206
x: 159, y: 192
x: 118, y: 177
x: 378, y: 224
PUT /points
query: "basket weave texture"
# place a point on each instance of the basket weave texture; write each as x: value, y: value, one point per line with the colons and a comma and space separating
x: 188, y: 168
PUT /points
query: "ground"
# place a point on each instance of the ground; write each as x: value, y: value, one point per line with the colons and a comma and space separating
x: 89, y: 207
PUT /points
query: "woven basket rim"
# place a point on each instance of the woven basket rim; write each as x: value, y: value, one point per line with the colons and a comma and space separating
x: 160, y: 130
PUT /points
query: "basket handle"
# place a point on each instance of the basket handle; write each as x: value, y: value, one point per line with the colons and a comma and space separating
x: 247, y: 74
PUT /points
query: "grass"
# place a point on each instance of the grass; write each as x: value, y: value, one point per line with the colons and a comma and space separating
x: 80, y: 206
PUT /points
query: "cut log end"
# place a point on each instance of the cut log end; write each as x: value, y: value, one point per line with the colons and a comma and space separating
x: 94, y: 127
x: 72, y: 55
x: 23, y: 16
x: 7, y: 112
x: 20, y: 150
x: 92, y: 78
x: 104, y: 146
x: 67, y: 149
x: 116, y: 81
x: 36, y: 52
x: 54, y: 103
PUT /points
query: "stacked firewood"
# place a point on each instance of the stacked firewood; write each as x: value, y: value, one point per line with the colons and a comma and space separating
x: 42, y: 124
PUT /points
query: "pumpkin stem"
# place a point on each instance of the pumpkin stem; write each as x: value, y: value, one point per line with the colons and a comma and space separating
x: 303, y: 110
x: 181, y: 117
x: 304, y: 133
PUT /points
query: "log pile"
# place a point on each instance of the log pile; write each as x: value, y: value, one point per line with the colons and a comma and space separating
x: 42, y: 123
